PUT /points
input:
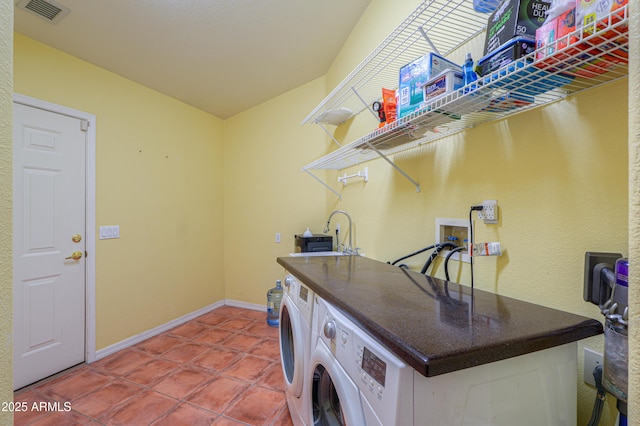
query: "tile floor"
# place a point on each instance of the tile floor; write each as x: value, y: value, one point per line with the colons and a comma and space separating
x: 222, y: 368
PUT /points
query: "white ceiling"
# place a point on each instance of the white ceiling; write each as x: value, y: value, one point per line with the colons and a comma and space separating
x: 221, y: 56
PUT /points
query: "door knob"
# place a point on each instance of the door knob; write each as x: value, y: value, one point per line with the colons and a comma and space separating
x: 76, y: 255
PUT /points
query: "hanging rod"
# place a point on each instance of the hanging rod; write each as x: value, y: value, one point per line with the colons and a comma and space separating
x: 363, y: 174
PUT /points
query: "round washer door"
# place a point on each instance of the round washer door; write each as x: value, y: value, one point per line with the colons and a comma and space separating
x: 291, y: 351
x: 335, y: 398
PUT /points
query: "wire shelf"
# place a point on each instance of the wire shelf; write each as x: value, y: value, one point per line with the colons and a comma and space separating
x: 586, y: 58
x: 447, y: 25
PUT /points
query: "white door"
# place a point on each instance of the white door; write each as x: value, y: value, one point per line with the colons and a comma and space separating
x: 49, y: 243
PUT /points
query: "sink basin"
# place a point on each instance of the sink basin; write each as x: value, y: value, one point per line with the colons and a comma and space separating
x: 317, y: 253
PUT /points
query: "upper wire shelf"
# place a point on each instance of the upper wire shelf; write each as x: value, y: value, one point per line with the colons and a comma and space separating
x: 584, y: 59
x: 438, y: 26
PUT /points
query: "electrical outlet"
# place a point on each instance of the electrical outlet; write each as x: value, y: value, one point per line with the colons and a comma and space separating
x: 489, y: 212
x: 592, y: 359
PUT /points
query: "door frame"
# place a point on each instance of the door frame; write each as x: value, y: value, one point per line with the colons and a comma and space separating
x: 90, y: 237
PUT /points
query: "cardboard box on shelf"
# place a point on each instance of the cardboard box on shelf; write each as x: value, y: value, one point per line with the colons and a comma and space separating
x: 514, y: 49
x: 597, y: 15
x: 546, y: 39
x: 443, y: 83
x: 414, y: 76
x: 514, y: 18
x: 554, y: 36
x: 587, y: 57
x: 589, y: 12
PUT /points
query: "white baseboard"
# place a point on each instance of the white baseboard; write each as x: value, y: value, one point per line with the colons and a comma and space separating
x: 133, y: 340
x: 245, y: 305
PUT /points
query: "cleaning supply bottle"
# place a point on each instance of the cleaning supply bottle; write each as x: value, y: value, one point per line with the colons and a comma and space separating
x: 468, y: 74
x: 274, y: 297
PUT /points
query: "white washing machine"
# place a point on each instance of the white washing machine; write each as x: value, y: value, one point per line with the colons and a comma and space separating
x: 356, y: 381
x: 296, y: 310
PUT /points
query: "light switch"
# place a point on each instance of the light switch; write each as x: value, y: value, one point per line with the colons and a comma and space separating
x: 108, y: 232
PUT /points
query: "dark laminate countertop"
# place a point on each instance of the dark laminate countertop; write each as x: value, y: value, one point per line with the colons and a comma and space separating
x: 434, y: 326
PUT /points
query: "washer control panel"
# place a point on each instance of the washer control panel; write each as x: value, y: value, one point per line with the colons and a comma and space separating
x: 301, y: 295
x: 385, y: 381
x: 373, y: 369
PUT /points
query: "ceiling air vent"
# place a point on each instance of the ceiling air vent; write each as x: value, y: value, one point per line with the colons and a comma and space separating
x: 48, y: 10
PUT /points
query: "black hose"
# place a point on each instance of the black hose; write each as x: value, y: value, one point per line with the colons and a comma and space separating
x: 413, y: 254
x: 446, y: 260
x: 600, y: 397
x: 434, y: 254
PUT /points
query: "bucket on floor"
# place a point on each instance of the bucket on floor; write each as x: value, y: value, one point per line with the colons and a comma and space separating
x: 274, y: 297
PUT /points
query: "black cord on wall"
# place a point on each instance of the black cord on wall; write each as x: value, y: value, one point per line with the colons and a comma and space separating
x: 473, y: 208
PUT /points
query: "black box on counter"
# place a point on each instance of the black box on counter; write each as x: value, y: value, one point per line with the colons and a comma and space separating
x: 515, y: 49
x: 313, y: 243
x: 514, y: 18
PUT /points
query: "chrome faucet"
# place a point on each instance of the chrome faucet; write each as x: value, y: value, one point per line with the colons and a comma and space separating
x: 348, y: 249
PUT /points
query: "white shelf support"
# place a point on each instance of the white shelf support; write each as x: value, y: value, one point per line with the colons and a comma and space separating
x: 363, y: 174
x: 394, y: 165
x: 428, y: 40
x: 324, y: 184
x: 328, y: 133
x: 368, y: 107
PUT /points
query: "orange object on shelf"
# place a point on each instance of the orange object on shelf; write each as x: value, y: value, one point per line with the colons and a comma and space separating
x: 390, y: 103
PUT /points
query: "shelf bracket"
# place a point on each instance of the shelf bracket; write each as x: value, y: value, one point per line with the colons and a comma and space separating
x: 363, y: 174
x: 328, y: 132
x: 395, y: 166
x: 426, y: 37
x: 324, y: 184
x: 368, y: 107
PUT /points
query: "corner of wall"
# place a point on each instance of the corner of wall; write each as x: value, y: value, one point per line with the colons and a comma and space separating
x: 6, y: 174
x: 634, y: 207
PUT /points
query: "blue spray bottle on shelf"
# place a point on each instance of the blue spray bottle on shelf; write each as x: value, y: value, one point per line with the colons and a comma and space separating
x: 468, y: 74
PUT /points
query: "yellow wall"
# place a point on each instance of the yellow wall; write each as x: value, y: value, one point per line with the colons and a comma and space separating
x: 265, y: 193
x: 159, y: 176
x: 6, y: 219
